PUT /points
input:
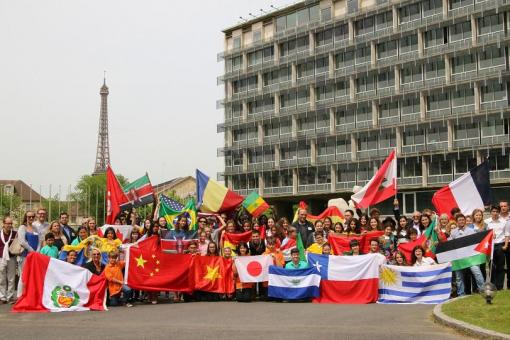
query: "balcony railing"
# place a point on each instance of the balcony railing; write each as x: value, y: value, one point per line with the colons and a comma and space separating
x: 434, y: 146
x: 440, y: 179
x: 500, y: 174
x: 413, y: 148
x: 493, y: 140
x: 464, y: 143
x: 278, y: 190
x: 410, y: 180
x: 345, y: 185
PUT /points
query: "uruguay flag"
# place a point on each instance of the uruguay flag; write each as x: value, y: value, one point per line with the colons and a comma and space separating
x: 468, y: 192
x: 293, y: 284
x: 424, y: 284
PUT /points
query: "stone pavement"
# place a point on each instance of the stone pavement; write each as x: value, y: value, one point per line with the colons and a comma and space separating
x: 230, y: 320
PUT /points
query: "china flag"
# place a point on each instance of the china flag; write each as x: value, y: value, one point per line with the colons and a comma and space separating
x: 212, y: 274
x: 148, y: 268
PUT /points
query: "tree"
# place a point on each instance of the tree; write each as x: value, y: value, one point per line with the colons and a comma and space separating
x: 10, y: 204
x: 52, y: 205
x: 90, y: 194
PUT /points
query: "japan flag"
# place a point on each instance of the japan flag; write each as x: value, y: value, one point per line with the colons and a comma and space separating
x: 253, y: 268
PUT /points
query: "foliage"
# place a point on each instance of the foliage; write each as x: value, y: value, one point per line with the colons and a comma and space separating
x: 172, y: 195
x: 52, y: 205
x: 10, y: 204
x: 474, y: 310
x: 90, y: 193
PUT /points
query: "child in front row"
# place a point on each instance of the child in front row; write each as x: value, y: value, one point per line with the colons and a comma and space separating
x: 116, y: 286
x: 49, y: 249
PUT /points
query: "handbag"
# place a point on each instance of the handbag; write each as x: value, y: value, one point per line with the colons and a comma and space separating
x: 16, y: 248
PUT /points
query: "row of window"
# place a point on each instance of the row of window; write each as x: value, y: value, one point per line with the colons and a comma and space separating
x: 407, y: 168
x: 489, y: 57
x: 457, y: 32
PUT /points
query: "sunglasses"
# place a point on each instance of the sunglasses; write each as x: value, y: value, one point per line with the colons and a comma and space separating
x: 30, y: 216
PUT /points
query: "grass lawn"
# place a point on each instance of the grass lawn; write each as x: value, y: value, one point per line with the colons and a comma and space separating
x: 474, y: 310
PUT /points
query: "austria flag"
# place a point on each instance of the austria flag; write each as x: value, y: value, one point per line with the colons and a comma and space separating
x: 469, y: 192
x: 348, y: 279
x: 253, y: 268
x: 52, y: 285
x: 381, y: 187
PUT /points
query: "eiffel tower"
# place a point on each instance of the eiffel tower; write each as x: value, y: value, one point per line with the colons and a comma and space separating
x: 103, y: 146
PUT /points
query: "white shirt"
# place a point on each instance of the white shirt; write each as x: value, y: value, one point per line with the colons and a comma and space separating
x: 501, y: 229
x: 425, y: 261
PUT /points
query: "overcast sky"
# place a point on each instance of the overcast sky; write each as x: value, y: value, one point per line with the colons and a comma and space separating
x: 161, y: 63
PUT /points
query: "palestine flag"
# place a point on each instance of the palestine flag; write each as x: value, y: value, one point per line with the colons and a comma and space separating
x: 467, y: 251
x: 255, y: 204
x: 139, y: 192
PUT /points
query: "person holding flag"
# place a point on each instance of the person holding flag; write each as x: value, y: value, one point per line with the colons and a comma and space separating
x: 501, y: 230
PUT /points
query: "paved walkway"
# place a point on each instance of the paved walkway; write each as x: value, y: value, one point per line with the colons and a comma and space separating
x: 231, y: 320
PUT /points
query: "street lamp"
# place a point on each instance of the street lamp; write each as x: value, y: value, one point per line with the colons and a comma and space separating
x: 488, y: 291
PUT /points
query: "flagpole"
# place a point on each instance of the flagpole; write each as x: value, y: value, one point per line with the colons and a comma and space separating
x: 488, y: 277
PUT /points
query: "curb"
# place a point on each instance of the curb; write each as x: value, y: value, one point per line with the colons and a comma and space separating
x: 465, y: 327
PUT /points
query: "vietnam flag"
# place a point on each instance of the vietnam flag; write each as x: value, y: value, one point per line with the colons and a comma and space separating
x: 148, y: 268
x: 51, y: 285
x: 212, y: 274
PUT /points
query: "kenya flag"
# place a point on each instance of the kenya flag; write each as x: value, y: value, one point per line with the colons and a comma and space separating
x: 139, y: 192
x: 52, y: 285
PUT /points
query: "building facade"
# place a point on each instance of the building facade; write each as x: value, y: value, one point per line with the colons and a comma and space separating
x: 317, y: 95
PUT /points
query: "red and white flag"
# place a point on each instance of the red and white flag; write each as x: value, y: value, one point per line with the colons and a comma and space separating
x: 123, y: 232
x: 253, y: 268
x: 115, y: 196
x: 381, y: 187
x: 52, y: 285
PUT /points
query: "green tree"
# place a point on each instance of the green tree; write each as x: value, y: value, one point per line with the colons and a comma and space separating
x: 10, y: 204
x: 90, y: 193
x: 52, y: 205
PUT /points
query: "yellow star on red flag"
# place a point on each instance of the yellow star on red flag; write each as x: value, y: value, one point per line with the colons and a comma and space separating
x: 213, y: 273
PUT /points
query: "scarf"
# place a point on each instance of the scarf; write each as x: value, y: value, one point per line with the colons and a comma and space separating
x: 5, y: 254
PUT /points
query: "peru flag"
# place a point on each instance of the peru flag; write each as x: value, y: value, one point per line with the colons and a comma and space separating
x: 253, y: 268
x: 51, y: 285
x: 469, y: 192
x: 381, y: 187
x: 348, y: 279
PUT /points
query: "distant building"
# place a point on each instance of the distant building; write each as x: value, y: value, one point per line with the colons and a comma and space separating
x: 30, y: 199
x: 183, y: 187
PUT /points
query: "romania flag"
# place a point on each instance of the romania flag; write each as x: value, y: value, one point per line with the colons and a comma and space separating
x: 214, y: 197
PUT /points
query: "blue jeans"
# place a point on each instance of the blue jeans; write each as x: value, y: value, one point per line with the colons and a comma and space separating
x: 459, y: 279
x: 116, y: 300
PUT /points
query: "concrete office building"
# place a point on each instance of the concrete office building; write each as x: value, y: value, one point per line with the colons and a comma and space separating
x: 318, y: 93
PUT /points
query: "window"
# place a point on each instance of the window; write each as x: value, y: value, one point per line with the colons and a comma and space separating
x: 322, y: 120
x: 268, y: 53
x: 326, y: 147
x: 434, y: 69
x: 439, y: 166
x: 387, y: 139
x: 288, y: 99
x: 254, y: 156
x: 388, y: 109
x: 362, y: 55
x: 411, y: 167
x: 325, y: 92
x: 454, y: 4
x: 239, y: 135
x: 253, y: 132
x: 386, y: 79
x: 460, y: 31
x: 364, y: 112
x: 303, y: 149
x: 303, y: 96
x: 435, y: 37
x: 255, y: 58
x: 255, y: 106
x: 410, y: 13
x: 467, y: 130
x: 323, y: 175
x: 499, y: 160
x: 463, y: 97
x: 437, y: 134
x: 410, y: 106
x: 268, y: 104
x: 271, y: 129
x: 235, y: 110
x: 492, y: 57
x: 414, y: 136
x: 291, y: 20
x: 284, y: 74
x: 411, y: 73
x: 344, y: 59
x: 364, y: 172
x: 285, y: 127
x: 365, y: 26
x: 345, y: 173
x: 281, y: 23
x: 365, y: 84
x: 409, y: 44
x: 464, y: 163
x: 341, y: 88
x: 493, y: 92
x: 303, y: 16
x: 271, y: 179
x: 252, y: 83
x: 488, y: 24
x: 288, y: 152
x: 493, y: 127
x: 237, y: 42
x: 324, y: 37
x: 293, y: 46
x: 343, y: 146
x: 286, y: 178
x: 367, y: 142
x: 306, y: 123
x: 305, y: 69
x: 464, y: 63
x: 322, y: 65
x: 237, y: 158
x: 306, y: 176
x: 438, y: 101
x: 341, y: 32
x: 383, y: 20
x: 257, y: 35
x: 237, y: 63
x: 345, y: 116
x: 432, y: 7
x: 326, y: 14
x: 314, y: 13
x: 387, y: 49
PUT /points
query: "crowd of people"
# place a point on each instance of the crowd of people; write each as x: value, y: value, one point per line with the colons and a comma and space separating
x: 269, y: 236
